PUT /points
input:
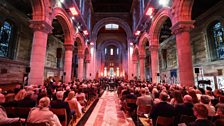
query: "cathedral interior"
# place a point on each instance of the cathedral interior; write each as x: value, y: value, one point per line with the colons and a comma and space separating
x: 157, y: 41
x: 153, y: 40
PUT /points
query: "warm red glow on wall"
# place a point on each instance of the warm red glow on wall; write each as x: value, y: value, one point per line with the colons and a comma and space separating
x: 150, y: 11
x: 85, y: 32
x: 73, y: 11
x: 137, y: 32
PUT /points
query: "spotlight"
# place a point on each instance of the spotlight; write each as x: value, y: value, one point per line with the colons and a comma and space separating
x: 73, y: 11
x: 164, y: 3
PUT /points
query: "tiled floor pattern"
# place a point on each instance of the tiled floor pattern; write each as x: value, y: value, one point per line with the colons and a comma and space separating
x: 107, y: 112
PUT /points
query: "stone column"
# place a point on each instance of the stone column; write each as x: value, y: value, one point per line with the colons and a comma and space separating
x: 38, y: 53
x: 135, y: 63
x: 182, y: 31
x: 80, y: 66
x: 68, y: 61
x: 142, y: 67
x: 154, y: 62
x: 87, y: 69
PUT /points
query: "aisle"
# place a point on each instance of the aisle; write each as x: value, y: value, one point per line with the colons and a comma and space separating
x: 107, y: 112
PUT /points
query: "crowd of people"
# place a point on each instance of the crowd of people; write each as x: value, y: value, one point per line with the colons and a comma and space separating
x: 204, y: 106
x: 137, y: 98
x: 73, y: 97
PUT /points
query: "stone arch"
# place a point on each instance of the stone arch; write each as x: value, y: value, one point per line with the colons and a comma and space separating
x: 105, y: 21
x: 142, y: 42
x: 182, y: 10
x: 87, y: 53
x: 113, y: 42
x: 80, y: 41
x: 66, y: 24
x: 135, y: 53
x: 214, y: 18
x: 41, y: 9
x: 158, y: 20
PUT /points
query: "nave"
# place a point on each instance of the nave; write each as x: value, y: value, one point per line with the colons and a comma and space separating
x: 107, y: 112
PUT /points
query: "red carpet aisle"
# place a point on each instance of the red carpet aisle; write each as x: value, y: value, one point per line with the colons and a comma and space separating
x: 107, y: 112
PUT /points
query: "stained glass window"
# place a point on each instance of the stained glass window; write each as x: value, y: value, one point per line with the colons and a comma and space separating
x: 5, y: 39
x: 216, y: 31
x: 111, y: 27
x: 111, y: 51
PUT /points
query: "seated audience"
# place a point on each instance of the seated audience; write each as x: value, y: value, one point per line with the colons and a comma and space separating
x: 177, y: 98
x: 162, y: 108
x: 59, y: 103
x: 74, y: 104
x: 201, y: 114
x: 143, y: 100
x: 43, y: 114
x: 27, y: 101
x: 5, y: 120
x: 184, y: 109
x: 205, y: 100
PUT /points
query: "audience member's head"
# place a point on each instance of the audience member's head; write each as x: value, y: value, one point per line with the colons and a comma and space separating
x: 163, y: 96
x: 2, y: 98
x: 20, y: 95
x: 59, y: 95
x: 220, y: 110
x: 143, y: 91
x: 178, y: 96
x: 187, y: 99
x: 205, y: 99
x: 192, y: 93
x: 71, y: 95
x: 44, y: 102
x: 200, y: 111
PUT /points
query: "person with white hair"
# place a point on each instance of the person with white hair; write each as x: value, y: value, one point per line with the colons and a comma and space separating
x: 59, y: 103
x: 43, y: 114
x: 143, y: 100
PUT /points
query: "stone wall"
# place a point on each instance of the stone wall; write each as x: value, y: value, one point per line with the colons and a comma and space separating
x: 13, y: 70
x: 199, y: 39
x: 199, y: 43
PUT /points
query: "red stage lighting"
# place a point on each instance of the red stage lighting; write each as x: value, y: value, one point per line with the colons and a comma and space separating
x: 150, y: 11
x: 137, y: 32
x: 73, y: 11
x: 85, y: 32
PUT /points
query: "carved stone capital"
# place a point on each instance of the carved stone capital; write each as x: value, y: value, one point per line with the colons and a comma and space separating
x: 69, y: 47
x: 41, y: 26
x: 182, y: 26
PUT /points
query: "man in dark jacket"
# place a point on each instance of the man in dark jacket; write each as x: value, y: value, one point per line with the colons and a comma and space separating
x: 162, y: 109
x: 59, y: 103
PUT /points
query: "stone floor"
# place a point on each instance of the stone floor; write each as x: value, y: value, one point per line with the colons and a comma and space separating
x: 107, y: 112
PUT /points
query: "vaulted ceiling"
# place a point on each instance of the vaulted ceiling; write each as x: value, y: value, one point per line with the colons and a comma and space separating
x: 112, y: 5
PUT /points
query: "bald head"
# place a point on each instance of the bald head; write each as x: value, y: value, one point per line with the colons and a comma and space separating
x: 187, y: 99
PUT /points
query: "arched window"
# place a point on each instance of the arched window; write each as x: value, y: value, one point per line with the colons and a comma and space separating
x: 7, y: 44
x: 216, y: 40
